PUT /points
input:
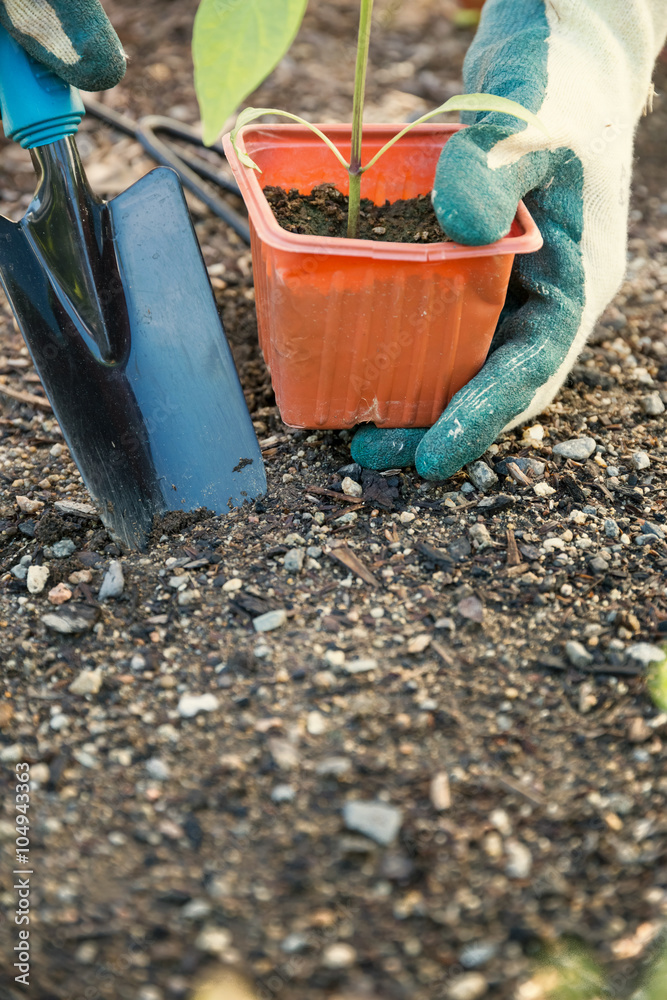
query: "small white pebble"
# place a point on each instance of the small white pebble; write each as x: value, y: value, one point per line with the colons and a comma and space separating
x: 351, y: 488
x: 334, y: 657
x: 440, y: 792
x: 534, y: 434
x: 36, y: 578
x: 316, y: 724
x: 339, y: 955
x: 191, y: 704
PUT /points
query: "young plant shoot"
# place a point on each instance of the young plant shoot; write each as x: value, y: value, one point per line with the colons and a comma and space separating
x: 227, y: 31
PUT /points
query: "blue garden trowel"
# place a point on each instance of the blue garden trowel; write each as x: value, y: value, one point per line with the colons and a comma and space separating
x: 116, y: 308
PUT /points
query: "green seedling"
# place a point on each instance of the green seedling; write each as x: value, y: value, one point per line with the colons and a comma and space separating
x: 237, y: 43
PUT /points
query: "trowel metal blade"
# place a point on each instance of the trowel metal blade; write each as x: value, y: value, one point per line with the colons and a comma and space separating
x: 160, y: 424
x: 180, y: 368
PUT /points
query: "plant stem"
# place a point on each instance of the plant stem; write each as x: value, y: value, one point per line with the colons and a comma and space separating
x: 354, y: 205
x: 358, y: 116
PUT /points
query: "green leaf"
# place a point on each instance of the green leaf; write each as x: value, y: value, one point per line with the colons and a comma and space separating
x: 657, y: 683
x: 469, y: 102
x: 235, y: 45
x: 491, y: 102
x: 252, y: 114
x: 656, y: 985
x: 578, y: 976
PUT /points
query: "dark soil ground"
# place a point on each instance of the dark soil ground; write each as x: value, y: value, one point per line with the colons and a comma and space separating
x: 421, y: 661
x: 323, y: 212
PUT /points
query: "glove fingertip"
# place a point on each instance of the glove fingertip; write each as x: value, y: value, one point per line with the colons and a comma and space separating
x: 94, y: 74
x: 475, y: 205
x: 379, y: 448
x: 430, y: 463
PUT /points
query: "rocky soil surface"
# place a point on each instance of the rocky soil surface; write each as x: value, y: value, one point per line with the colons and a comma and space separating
x: 368, y: 737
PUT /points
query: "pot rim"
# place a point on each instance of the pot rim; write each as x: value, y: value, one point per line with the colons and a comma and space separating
x: 271, y: 233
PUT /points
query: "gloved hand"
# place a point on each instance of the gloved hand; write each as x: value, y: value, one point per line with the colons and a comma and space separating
x: 584, y: 67
x: 72, y: 37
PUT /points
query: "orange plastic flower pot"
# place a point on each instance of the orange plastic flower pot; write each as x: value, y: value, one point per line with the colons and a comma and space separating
x: 358, y: 330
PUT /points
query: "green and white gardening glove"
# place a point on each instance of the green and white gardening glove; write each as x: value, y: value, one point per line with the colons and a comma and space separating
x: 584, y: 67
x: 72, y: 37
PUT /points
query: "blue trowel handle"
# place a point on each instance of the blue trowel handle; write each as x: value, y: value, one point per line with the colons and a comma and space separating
x: 37, y: 106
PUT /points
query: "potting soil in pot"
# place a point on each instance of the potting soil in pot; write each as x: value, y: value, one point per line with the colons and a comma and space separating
x: 323, y: 212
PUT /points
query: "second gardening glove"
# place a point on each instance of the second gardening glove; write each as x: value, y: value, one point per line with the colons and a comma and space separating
x: 72, y: 37
x: 584, y: 67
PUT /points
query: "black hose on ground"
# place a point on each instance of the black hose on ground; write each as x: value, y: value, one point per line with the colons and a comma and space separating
x: 188, y: 168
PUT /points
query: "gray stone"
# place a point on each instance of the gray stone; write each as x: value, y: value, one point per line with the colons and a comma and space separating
x: 212, y: 941
x: 88, y: 682
x: 360, y: 666
x: 76, y: 508
x: 294, y: 539
x: 613, y: 471
x: 293, y: 561
x: 645, y: 653
x: 351, y: 488
x: 270, y: 620
x: 339, y: 955
x: 459, y: 548
x: 349, y: 518
x: 71, y: 619
x: 36, y: 578
x: 157, y: 768
x: 377, y: 820
x: 283, y: 793
x: 640, y: 460
x: 191, y: 704
x: 62, y: 549
x: 113, y: 582
x: 652, y: 405
x: 519, y: 860
x: 313, y: 551
x: 294, y: 942
x: 477, y: 953
x: 611, y: 529
x: 481, y: 476
x: 187, y: 597
x: 577, y: 654
x: 481, y: 539
x: 20, y: 571
x: 334, y: 766
x: 469, y: 986
x: 532, y: 465
x: 578, y: 449
x: 650, y: 528
x: 598, y: 564
x: 196, y: 909
x: 12, y: 754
